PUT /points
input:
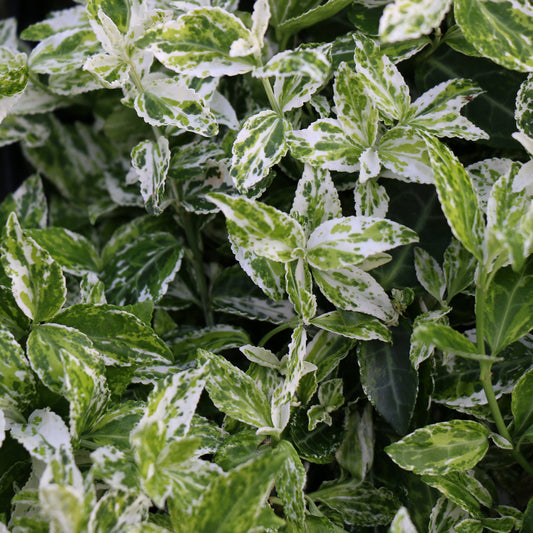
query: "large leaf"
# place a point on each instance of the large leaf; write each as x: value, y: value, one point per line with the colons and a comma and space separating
x: 441, y: 448
x: 353, y: 325
x: 500, y: 30
x: 37, y: 282
x: 68, y: 364
x: 290, y: 484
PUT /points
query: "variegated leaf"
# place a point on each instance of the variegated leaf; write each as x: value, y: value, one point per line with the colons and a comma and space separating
x: 430, y: 274
x: 260, y: 144
x: 17, y: 386
x: 316, y: 199
x: 57, y: 21
x: 300, y: 289
x: 370, y: 164
x: 37, y: 282
x: 457, y: 197
x: 67, y: 363
x: 371, y: 199
x: 445, y: 515
x: 352, y: 289
x: 402, y: 522
x: 409, y: 19
x: 111, y: 71
x: 199, y: 43
x: 383, y: 82
x: 419, y: 350
x: 402, y: 151
x: 330, y: 397
x: 243, y: 399
x: 290, y: 484
x: 324, y: 144
x: 13, y: 73
x: 261, y: 228
x: 150, y: 163
x: 500, y: 30
x: 350, y: 240
x: 254, y: 45
x: 353, y: 326
x: 524, y: 107
x: 355, y: 109
x: 438, y: 110
x: 441, y: 448
x: 459, y: 267
x: 484, y: 174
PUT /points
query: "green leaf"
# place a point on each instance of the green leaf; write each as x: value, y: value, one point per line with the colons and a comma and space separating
x: 38, y: 284
x: 459, y: 268
x: 118, y: 11
x: 381, y: 79
x: 359, y: 504
x: 324, y: 144
x: 260, y: 144
x: 290, y: 484
x: 243, y: 399
x: 445, y: 515
x: 388, y: 379
x: 316, y: 199
x: 120, y: 337
x: 353, y: 289
x: 300, y: 289
x: 409, y: 19
x: 429, y: 274
x: 457, y: 197
x: 261, y: 228
x: 524, y: 104
x: 12, y: 318
x: 199, y: 43
x: 68, y: 364
x: 17, y: 386
x: 521, y: 404
x: 507, y: 310
x: 73, y: 252
x: 141, y: 269
x: 352, y: 325
x: 499, y: 30
x: 438, y: 449
x: 330, y: 397
x: 348, y: 241
x: 13, y: 72
x: 419, y: 351
x: 219, y: 511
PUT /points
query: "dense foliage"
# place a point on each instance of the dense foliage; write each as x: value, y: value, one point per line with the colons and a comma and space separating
x: 272, y: 270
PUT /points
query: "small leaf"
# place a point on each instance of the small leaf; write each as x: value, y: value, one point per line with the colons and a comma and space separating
x: 441, y: 448
x: 371, y: 199
x: 300, y: 289
x: 429, y: 274
x: 353, y: 325
x: 521, y: 405
x: 459, y: 267
x: 402, y: 522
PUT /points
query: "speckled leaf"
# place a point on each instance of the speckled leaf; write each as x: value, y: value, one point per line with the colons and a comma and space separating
x: 331, y: 398
x: 67, y: 363
x: 199, y: 43
x: 371, y: 199
x: 300, y: 289
x: 508, y: 312
x: 521, y: 405
x: 290, y: 484
x: 28, y: 202
x: 383, y: 82
x: 457, y: 197
x: 351, y: 289
x: 402, y: 522
x: 260, y: 228
x: 429, y: 274
x: 438, y: 449
x: 17, y: 386
x: 142, y: 269
x: 260, y: 144
x: 150, y: 163
x: 463, y: 489
x: 524, y: 107
x: 459, y: 267
x: 111, y: 71
x: 500, y: 30
x: 352, y: 325
x: 56, y: 22
x: 409, y: 19
x: 324, y: 144
x: 38, y: 284
x: 235, y: 393
x: 359, y: 504
x: 168, y: 101
x: 63, y: 51
x: 13, y: 72
x: 316, y: 199
x: 92, y: 290
x: 350, y: 240
x: 120, y: 337
x: 116, y: 511
x: 72, y: 251
x: 403, y: 152
x: 11, y: 317
x: 445, y: 515
x: 355, y: 109
x: 419, y: 351
x: 437, y: 111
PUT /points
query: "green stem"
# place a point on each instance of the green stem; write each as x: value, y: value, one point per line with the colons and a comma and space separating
x: 277, y: 330
x: 271, y: 98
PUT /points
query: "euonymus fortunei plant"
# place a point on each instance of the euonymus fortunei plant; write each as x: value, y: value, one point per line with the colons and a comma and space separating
x: 267, y: 275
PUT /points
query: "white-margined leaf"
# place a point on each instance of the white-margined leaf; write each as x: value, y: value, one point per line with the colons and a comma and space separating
x: 351, y: 289
x: 330, y: 397
x: 260, y: 228
x: 299, y: 284
x: 381, y: 79
x: 14, y: 72
x: 459, y: 267
x: 371, y: 199
x: 429, y: 274
x: 260, y: 144
x: 409, y: 19
x: 37, y: 282
x: 67, y: 363
x: 111, y: 71
x: 324, y: 144
x: 484, y: 174
x: 57, y: 21
x: 254, y: 45
x: 199, y: 43
x: 350, y: 240
x: 419, y: 350
x: 524, y: 105
x: 353, y: 325
x: 456, y: 445
x: 438, y: 110
x: 290, y: 484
